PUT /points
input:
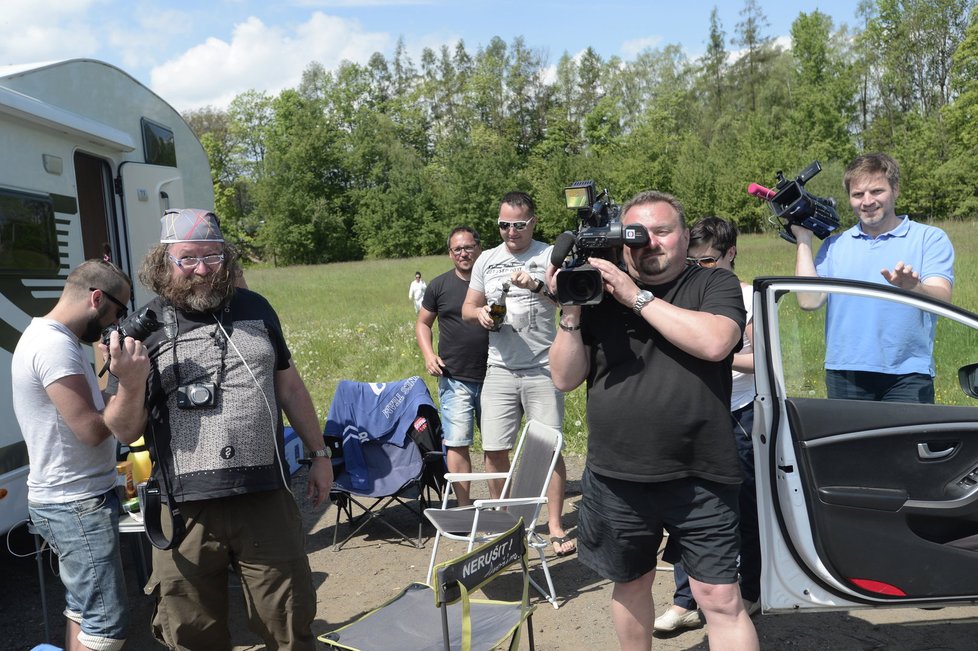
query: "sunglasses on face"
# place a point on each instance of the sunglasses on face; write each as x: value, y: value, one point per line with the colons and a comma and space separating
x: 707, y: 262
x: 505, y: 226
x: 122, y: 311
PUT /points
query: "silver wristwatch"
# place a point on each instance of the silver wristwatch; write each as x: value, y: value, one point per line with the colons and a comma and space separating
x: 643, y: 298
x: 325, y: 452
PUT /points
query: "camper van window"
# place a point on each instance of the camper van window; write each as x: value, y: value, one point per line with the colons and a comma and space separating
x: 28, y: 241
x: 158, y: 145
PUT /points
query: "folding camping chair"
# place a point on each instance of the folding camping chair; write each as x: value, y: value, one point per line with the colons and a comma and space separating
x: 386, y: 439
x: 524, y: 492
x: 430, y: 617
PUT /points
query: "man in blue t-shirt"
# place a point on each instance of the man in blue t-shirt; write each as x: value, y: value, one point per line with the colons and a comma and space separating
x: 878, y: 350
x: 460, y: 363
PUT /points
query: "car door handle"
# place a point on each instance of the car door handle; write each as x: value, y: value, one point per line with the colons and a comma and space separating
x: 925, y: 453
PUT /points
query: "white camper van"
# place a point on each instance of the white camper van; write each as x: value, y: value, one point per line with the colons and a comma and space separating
x: 89, y: 160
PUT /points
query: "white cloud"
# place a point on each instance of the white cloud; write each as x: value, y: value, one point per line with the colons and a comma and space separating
x: 261, y: 57
x: 45, y: 30
x: 631, y: 49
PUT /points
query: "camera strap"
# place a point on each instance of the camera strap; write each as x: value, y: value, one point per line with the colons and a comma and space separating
x: 153, y: 508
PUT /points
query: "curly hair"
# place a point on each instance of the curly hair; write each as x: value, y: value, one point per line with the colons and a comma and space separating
x: 156, y: 273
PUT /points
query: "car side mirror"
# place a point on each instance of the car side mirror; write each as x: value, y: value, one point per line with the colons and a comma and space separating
x: 968, y: 379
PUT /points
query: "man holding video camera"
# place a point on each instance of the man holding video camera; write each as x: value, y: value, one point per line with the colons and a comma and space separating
x: 657, y: 353
x: 878, y: 350
x: 518, y: 374
x: 221, y: 376
x: 68, y: 429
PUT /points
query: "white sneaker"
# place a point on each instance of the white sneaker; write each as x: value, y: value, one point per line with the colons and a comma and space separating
x: 671, y: 620
x: 752, y: 607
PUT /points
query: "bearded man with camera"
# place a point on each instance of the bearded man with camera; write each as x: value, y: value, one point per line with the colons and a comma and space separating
x: 68, y: 427
x: 221, y: 376
x: 656, y: 354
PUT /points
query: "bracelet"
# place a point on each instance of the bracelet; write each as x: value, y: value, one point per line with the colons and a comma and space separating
x: 567, y: 328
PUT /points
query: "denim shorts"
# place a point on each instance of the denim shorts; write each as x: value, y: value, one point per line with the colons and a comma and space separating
x: 460, y: 410
x: 85, y: 536
x: 509, y: 395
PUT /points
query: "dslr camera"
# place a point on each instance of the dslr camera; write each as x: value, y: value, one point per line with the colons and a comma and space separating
x: 138, y: 326
x: 197, y: 395
x: 793, y: 205
x: 600, y: 233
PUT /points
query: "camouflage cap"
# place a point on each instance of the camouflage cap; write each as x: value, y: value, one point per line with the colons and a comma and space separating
x: 190, y: 225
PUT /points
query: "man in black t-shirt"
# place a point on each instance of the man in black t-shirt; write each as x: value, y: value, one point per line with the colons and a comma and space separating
x: 460, y: 364
x: 656, y: 354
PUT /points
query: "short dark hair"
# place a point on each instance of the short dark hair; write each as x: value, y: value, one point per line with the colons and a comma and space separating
x: 463, y: 229
x: 519, y: 199
x: 876, y: 163
x: 654, y: 196
x: 717, y: 232
x: 99, y: 274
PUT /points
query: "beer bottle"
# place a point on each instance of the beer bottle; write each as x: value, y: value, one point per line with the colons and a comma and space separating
x: 497, y: 310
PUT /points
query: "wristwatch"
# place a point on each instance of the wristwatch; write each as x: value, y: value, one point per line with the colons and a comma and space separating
x: 325, y: 452
x: 540, y: 285
x: 643, y: 298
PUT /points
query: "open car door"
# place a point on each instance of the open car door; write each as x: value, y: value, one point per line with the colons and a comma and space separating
x: 862, y: 503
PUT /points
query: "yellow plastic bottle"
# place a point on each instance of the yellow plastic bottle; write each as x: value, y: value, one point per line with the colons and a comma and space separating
x: 141, y: 464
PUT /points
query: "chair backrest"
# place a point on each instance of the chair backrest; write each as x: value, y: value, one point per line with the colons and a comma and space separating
x: 478, y: 567
x: 533, y: 465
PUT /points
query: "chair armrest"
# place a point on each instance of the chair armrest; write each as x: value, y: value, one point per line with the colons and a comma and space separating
x: 474, y: 476
x: 508, y: 501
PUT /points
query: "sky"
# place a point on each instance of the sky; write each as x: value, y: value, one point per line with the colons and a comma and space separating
x: 204, y: 52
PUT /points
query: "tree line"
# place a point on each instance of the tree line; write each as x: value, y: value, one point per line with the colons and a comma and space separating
x: 382, y: 159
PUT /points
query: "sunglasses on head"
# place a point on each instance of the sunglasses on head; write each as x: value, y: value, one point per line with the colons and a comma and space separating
x: 505, y: 226
x: 706, y: 262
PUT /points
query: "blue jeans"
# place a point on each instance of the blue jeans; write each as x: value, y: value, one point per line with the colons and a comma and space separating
x: 750, y: 541
x: 885, y: 387
x: 459, y: 408
x: 85, y: 536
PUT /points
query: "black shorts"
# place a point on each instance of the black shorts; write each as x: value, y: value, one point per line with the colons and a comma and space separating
x: 621, y: 525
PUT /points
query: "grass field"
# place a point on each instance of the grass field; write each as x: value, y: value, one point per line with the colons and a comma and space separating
x: 354, y: 321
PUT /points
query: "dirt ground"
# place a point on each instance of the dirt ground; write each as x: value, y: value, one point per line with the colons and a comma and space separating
x: 374, y: 566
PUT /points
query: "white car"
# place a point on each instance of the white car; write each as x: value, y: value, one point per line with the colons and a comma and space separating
x: 862, y: 503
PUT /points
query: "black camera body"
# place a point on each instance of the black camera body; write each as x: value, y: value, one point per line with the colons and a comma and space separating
x: 198, y: 395
x: 138, y: 326
x: 793, y: 205
x: 600, y: 234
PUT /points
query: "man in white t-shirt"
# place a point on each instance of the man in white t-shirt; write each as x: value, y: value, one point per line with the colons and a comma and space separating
x: 68, y: 428
x: 518, y: 379
x: 416, y: 291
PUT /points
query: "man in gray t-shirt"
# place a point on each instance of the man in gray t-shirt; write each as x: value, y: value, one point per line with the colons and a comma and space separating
x: 518, y: 374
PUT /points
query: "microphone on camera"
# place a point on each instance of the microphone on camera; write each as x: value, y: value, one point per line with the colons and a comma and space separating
x: 562, y: 246
x: 760, y: 191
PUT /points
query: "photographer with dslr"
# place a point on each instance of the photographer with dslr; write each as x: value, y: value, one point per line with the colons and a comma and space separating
x: 68, y: 427
x: 518, y: 374
x: 221, y: 376
x: 878, y: 350
x: 657, y: 355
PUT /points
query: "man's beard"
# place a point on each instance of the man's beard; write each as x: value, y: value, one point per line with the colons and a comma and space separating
x: 93, y: 331
x: 195, y: 293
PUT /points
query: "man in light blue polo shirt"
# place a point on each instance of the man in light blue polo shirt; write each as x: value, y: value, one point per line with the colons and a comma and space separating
x: 878, y: 350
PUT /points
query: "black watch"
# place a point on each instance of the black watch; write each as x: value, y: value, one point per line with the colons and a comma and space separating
x: 540, y: 285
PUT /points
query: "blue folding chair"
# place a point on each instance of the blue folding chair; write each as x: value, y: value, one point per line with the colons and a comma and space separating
x: 386, y: 439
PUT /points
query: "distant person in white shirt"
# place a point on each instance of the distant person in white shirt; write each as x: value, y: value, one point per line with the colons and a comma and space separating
x: 416, y: 291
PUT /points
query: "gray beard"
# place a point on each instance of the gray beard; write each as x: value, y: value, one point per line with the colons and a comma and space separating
x: 187, y: 298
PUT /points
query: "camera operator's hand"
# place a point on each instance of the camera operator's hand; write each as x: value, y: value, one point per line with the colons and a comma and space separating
x: 801, y: 234
x: 128, y: 360
x: 616, y: 282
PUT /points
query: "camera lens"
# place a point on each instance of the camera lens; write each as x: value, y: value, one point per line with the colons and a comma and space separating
x: 199, y: 394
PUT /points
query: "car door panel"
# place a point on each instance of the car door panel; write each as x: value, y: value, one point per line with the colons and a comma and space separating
x: 862, y: 503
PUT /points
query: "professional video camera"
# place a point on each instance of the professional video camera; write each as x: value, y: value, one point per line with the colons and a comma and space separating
x: 793, y: 205
x: 600, y: 233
